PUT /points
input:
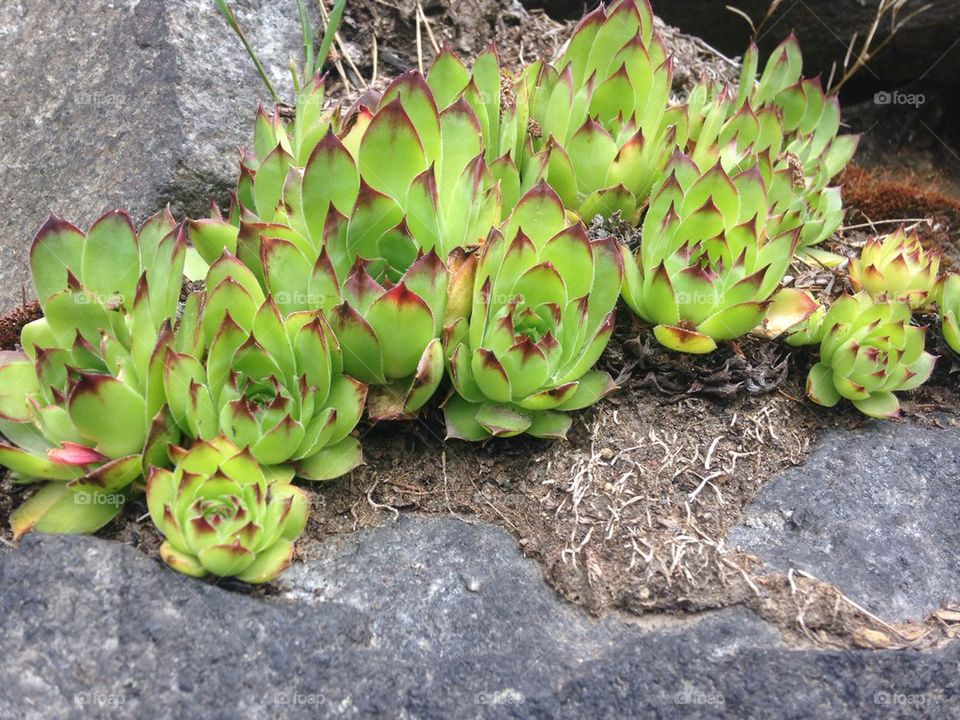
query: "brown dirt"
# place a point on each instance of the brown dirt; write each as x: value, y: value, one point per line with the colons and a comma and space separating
x: 467, y: 26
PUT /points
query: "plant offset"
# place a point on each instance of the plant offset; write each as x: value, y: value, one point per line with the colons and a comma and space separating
x: 431, y: 244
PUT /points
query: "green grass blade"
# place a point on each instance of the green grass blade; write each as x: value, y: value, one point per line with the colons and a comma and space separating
x: 231, y: 21
x: 333, y: 25
x: 306, y: 27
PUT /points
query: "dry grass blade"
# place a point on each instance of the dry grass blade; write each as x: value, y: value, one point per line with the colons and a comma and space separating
x: 741, y: 13
x: 867, y: 51
x: 426, y: 24
x: 419, y: 44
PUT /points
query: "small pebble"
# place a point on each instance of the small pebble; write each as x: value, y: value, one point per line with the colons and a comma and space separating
x: 470, y: 583
x: 606, y: 454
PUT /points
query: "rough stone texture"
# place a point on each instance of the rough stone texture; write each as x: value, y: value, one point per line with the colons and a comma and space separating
x: 427, y: 618
x: 875, y: 511
x: 123, y: 104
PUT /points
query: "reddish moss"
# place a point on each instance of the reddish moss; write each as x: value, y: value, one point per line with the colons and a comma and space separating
x: 875, y: 195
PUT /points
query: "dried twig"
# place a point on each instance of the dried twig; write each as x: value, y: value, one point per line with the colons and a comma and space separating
x: 426, y: 24
x: 419, y: 44
x: 867, y: 51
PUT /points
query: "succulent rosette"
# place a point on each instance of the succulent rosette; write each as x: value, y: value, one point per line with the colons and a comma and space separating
x: 811, y: 149
x: 896, y: 267
x: 869, y: 350
x: 387, y: 324
x: 595, y: 123
x: 603, y: 129
x: 705, y: 270
x: 266, y: 380
x: 948, y: 303
x: 543, y: 297
x: 785, y: 125
x: 82, y: 404
x: 220, y: 516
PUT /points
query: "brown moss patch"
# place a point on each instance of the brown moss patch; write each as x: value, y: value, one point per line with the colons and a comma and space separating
x: 872, y: 196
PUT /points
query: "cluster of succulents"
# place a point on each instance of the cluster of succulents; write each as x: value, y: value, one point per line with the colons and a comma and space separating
x: 431, y: 241
x: 706, y: 270
x: 869, y: 347
x: 809, y: 151
x: 868, y: 351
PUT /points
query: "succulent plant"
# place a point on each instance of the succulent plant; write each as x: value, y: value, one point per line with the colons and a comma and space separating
x: 219, y: 515
x: 266, y: 380
x: 405, y: 176
x: 366, y: 303
x: 83, y: 402
x: 543, y: 297
x: 706, y: 270
x: 783, y: 124
x: 948, y: 303
x: 812, y: 148
x: 604, y: 131
x: 869, y: 350
x: 365, y: 230
x: 808, y: 332
x: 896, y: 267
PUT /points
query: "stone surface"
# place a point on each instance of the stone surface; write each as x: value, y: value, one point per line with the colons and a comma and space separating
x: 875, y: 511
x: 123, y: 104
x: 427, y: 618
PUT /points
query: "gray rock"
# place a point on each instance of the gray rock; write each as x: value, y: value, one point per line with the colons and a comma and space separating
x: 380, y: 624
x: 124, y: 104
x: 875, y: 511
